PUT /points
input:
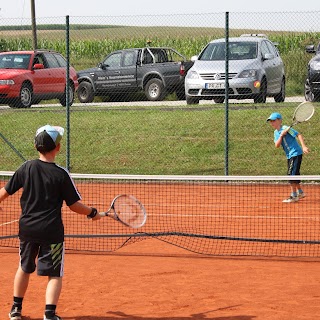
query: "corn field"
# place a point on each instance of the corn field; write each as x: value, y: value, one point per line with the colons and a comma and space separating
x: 89, y: 44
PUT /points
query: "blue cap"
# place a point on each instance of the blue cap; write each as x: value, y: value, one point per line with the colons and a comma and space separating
x: 274, y: 116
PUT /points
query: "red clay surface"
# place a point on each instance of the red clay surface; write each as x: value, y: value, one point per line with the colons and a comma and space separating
x: 154, y: 280
x: 151, y: 279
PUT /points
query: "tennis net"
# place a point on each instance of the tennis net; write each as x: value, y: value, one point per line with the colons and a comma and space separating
x: 214, y: 215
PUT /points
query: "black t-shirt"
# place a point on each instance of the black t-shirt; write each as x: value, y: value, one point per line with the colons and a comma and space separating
x: 45, y: 187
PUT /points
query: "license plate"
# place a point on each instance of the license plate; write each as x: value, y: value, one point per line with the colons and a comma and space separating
x: 214, y: 85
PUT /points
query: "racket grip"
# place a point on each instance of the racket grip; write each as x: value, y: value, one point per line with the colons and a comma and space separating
x: 109, y: 214
x: 104, y: 214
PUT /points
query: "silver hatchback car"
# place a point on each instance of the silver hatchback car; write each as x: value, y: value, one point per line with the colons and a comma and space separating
x: 256, y: 71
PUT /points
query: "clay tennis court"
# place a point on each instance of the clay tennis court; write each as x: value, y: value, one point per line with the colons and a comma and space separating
x: 153, y: 279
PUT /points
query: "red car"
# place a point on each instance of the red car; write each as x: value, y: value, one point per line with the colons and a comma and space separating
x: 27, y: 77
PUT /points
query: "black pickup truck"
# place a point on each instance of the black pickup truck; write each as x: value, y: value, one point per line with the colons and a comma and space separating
x: 157, y: 71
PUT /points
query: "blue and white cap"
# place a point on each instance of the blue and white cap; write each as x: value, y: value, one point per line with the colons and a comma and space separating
x: 48, y: 137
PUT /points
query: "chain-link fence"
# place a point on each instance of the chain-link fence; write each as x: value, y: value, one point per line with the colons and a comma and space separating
x: 148, y: 121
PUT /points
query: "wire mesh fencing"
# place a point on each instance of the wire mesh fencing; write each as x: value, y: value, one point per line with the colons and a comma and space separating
x: 131, y: 112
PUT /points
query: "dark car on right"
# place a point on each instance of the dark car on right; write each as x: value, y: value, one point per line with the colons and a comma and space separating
x: 312, y: 84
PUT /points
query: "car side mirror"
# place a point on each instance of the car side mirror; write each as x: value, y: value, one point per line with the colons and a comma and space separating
x: 102, y: 66
x: 38, y: 66
x: 268, y: 56
x: 194, y: 58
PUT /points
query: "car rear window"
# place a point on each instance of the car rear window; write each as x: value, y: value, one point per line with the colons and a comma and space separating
x: 61, y: 60
x: 52, y: 62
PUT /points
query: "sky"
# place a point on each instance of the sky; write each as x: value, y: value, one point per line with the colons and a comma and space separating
x: 48, y: 8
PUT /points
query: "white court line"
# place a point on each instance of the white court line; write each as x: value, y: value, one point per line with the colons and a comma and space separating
x: 235, y: 216
x: 6, y: 223
x: 215, y: 206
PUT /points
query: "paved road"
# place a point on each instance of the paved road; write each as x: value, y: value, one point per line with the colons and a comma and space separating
x: 297, y: 99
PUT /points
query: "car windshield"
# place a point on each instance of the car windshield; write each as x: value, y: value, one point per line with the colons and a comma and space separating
x: 237, y: 51
x: 14, y: 61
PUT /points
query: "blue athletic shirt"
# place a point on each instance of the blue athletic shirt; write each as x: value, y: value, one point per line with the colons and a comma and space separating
x: 289, y: 142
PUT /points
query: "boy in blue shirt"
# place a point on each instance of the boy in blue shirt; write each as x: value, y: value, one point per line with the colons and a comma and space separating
x: 287, y: 138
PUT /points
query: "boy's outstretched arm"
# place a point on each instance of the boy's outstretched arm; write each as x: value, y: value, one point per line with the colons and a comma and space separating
x: 81, y: 208
x: 303, y: 145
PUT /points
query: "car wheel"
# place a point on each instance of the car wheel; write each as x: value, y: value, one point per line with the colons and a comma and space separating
x: 280, y: 97
x: 154, y: 90
x: 85, y: 92
x: 192, y: 100
x: 218, y: 100
x: 25, y: 97
x: 70, y: 96
x: 262, y: 95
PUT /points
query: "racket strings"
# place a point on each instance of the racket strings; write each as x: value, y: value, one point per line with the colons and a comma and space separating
x: 304, y: 112
x: 129, y: 211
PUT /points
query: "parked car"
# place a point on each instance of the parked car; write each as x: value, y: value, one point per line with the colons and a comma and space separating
x: 256, y: 71
x: 156, y: 71
x: 312, y: 84
x: 27, y: 77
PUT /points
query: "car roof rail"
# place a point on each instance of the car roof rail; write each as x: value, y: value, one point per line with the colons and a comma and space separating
x: 261, y: 35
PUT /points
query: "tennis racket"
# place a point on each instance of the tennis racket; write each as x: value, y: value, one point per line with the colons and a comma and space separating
x: 127, y: 210
x: 303, y: 112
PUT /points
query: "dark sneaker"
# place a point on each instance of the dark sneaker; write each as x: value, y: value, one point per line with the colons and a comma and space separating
x: 15, y: 314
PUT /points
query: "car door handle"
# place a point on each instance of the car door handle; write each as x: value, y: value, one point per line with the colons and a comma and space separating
x: 117, y: 72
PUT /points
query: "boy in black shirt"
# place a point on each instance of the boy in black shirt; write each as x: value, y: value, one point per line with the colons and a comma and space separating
x: 41, y: 233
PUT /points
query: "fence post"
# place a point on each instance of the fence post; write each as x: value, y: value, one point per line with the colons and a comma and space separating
x: 227, y: 96
x: 67, y: 96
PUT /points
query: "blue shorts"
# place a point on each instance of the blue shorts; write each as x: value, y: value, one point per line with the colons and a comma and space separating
x: 50, y: 258
x: 294, y: 165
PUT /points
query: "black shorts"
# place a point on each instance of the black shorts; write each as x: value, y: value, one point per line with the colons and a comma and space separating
x: 50, y: 258
x: 294, y: 165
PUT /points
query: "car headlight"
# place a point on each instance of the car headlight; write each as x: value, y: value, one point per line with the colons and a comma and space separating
x: 6, y: 82
x: 315, y: 65
x: 248, y: 73
x: 192, y: 75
